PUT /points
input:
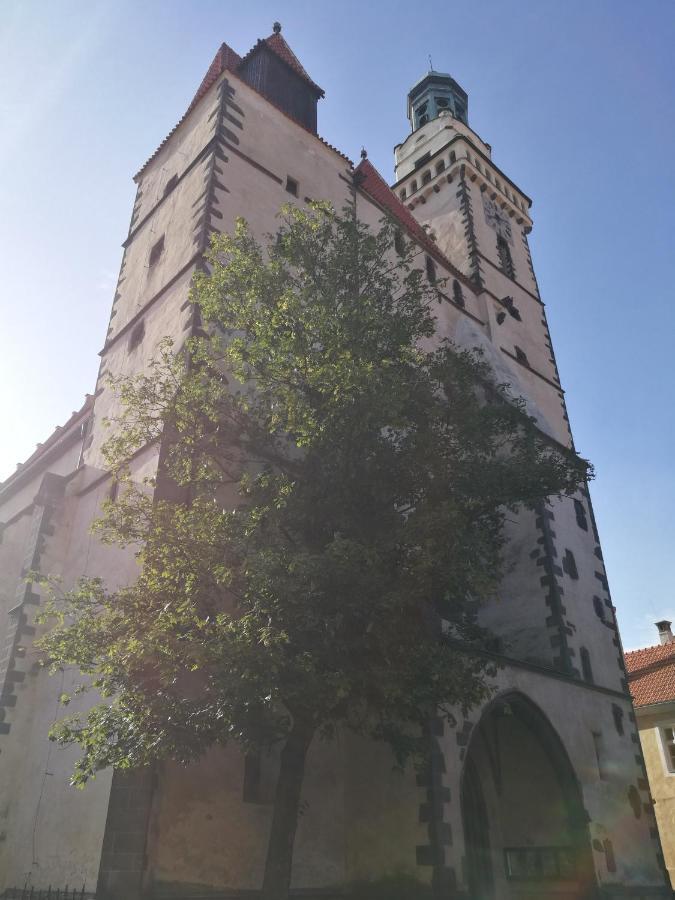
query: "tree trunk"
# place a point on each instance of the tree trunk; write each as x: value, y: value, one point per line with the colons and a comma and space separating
x: 277, y: 880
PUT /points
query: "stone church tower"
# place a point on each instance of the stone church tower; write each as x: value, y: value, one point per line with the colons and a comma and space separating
x: 540, y: 794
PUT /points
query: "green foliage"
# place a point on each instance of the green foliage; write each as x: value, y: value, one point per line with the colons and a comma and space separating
x: 344, y: 477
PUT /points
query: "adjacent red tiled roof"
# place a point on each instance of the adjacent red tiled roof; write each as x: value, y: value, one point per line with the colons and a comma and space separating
x: 227, y: 60
x: 372, y: 183
x: 651, y: 674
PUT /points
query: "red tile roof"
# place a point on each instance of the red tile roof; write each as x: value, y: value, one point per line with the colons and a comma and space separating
x: 276, y: 43
x: 227, y: 60
x: 651, y: 674
x: 372, y: 183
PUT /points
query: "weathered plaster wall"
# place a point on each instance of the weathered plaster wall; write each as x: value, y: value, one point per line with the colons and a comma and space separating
x: 50, y: 833
x: 661, y: 779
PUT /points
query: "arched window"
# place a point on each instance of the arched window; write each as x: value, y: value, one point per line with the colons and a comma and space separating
x: 431, y: 270
x: 399, y: 242
x: 457, y: 293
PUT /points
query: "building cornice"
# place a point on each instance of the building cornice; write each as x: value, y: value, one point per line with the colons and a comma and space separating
x: 463, y: 137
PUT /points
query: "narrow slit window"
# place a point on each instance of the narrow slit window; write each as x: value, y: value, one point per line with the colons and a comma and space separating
x: 251, y: 790
x: 137, y: 335
x: 156, y: 252
x: 599, y: 608
x: 586, y: 670
x: 599, y: 746
x: 453, y: 157
x: 399, y: 242
x: 580, y: 513
x: 457, y: 293
x: 569, y: 565
x: 668, y: 741
x: 505, y: 258
x: 431, y: 270
x: 610, y: 860
x: 291, y: 186
x: 521, y: 356
x: 171, y: 184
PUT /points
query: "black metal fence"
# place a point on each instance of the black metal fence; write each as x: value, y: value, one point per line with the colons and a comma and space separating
x: 29, y: 892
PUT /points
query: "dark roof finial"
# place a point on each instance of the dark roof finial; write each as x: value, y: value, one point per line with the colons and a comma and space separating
x: 276, y: 28
x: 364, y: 153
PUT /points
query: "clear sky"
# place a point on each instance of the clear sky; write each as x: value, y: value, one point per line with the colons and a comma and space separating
x: 575, y: 97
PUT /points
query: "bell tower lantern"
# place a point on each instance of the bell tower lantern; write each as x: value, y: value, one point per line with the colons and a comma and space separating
x: 434, y: 94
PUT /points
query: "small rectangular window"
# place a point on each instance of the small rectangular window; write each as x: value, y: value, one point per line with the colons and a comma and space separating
x: 668, y: 741
x: 291, y: 186
x: 440, y: 165
x: 426, y: 177
x: 431, y: 270
x: 399, y: 242
x: 453, y: 157
x: 156, y: 252
x: 413, y: 186
x: 402, y: 194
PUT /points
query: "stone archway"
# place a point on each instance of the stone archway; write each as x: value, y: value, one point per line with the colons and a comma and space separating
x: 525, y: 825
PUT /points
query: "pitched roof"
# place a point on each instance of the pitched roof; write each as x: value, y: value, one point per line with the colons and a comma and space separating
x: 651, y: 674
x: 372, y: 183
x: 226, y: 59
x: 59, y: 433
x: 277, y: 44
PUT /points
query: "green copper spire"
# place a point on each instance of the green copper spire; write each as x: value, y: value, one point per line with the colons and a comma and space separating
x: 433, y: 94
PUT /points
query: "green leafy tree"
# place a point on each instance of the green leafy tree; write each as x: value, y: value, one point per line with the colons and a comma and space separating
x: 328, y: 516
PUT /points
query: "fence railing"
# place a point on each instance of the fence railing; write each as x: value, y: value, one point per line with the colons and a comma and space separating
x: 29, y: 892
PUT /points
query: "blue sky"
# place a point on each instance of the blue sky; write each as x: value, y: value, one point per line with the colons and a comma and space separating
x: 576, y: 99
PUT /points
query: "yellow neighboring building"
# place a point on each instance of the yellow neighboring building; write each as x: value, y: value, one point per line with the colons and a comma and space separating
x: 651, y: 678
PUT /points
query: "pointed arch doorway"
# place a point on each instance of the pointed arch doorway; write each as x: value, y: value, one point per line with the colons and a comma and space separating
x: 525, y: 826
